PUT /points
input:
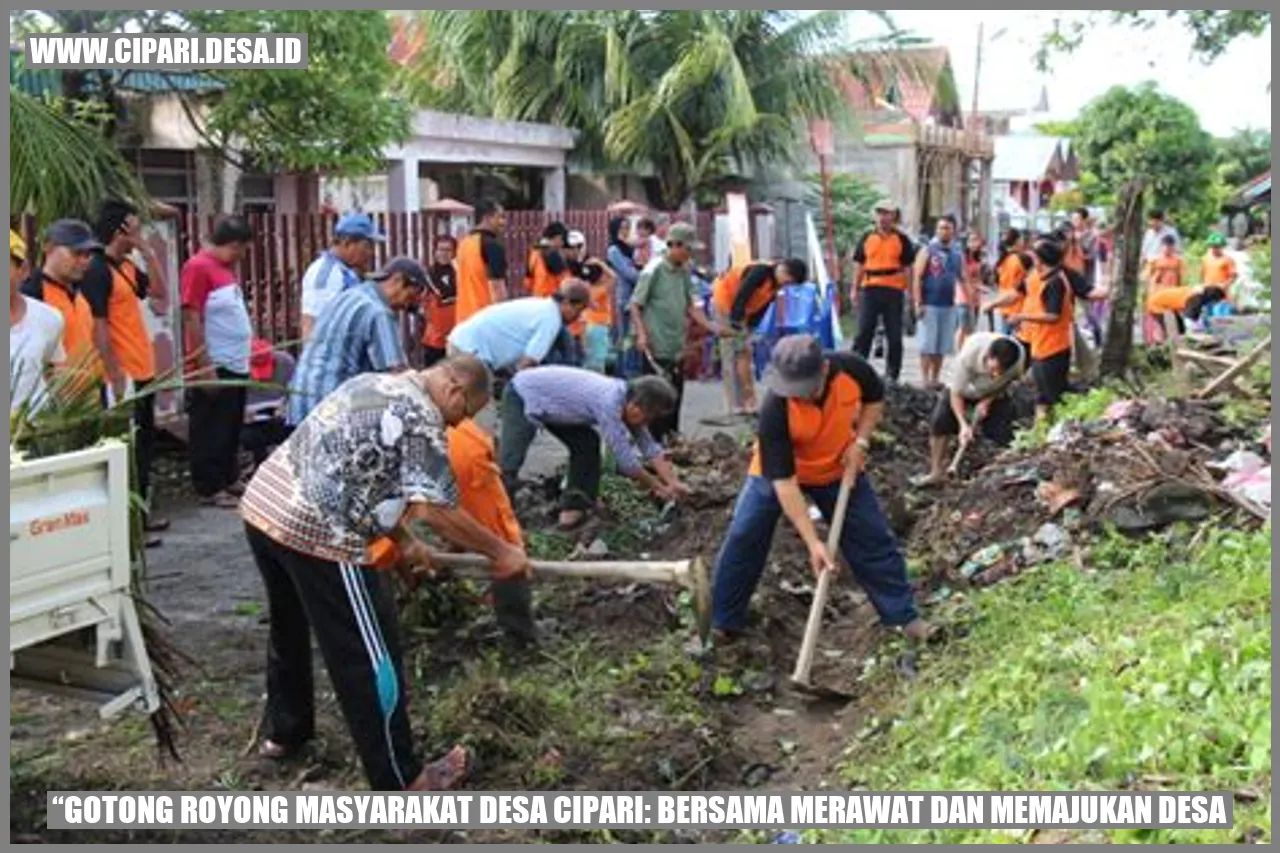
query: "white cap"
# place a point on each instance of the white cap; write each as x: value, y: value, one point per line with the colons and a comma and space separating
x: 576, y: 240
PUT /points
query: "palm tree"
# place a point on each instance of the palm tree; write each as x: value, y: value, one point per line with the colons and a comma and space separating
x: 691, y: 96
x: 60, y: 165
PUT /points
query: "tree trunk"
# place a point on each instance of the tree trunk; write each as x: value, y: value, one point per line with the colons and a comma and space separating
x: 1124, y: 288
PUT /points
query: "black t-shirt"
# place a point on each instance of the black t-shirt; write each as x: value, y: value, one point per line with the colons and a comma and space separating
x: 777, y: 454
x: 443, y: 281
x: 494, y: 254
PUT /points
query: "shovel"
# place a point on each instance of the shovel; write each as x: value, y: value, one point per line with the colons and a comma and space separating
x: 800, y: 677
x: 954, y: 467
x: 690, y: 574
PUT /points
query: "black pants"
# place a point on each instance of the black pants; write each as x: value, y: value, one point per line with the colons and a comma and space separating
x: 673, y: 372
x: 144, y: 439
x: 881, y: 304
x: 582, y: 441
x: 1053, y: 376
x: 215, y: 417
x: 996, y: 427
x: 352, y: 612
x: 261, y: 437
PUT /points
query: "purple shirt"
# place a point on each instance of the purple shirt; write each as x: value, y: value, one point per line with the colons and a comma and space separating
x: 572, y: 396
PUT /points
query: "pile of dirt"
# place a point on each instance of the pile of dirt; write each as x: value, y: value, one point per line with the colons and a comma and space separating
x: 1144, y: 466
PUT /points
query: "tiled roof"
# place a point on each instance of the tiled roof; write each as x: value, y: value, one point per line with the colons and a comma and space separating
x: 912, y: 79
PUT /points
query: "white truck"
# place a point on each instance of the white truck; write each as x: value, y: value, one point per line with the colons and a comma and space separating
x: 73, y: 626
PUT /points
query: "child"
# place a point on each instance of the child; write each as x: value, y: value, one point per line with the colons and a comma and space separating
x: 1165, y: 271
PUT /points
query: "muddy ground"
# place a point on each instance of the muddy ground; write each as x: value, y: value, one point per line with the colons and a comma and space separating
x: 610, y: 700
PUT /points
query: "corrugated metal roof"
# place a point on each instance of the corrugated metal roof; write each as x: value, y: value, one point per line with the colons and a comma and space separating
x: 48, y: 81
x: 1257, y: 188
x: 1025, y: 158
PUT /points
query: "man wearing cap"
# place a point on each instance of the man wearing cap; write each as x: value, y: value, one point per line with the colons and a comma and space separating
x: 358, y: 333
x: 882, y: 278
x: 338, y: 267
x: 1218, y: 269
x: 664, y: 301
x: 815, y: 422
x: 69, y: 245
x: 520, y: 333
x: 35, y: 335
x: 218, y: 343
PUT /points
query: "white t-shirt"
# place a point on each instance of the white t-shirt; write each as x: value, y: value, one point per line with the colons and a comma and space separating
x: 35, y: 342
x: 324, y: 279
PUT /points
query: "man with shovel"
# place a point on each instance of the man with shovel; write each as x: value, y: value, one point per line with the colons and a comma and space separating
x: 986, y: 368
x: 815, y: 424
x: 370, y: 461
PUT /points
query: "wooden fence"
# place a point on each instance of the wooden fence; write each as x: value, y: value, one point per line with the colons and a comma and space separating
x: 284, y: 244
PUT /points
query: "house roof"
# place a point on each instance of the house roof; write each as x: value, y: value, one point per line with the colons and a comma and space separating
x: 1028, y: 158
x: 917, y: 80
x: 1256, y: 189
x: 48, y: 81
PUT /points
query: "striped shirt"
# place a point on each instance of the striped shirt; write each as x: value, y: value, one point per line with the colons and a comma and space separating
x: 357, y: 333
x: 324, y: 279
x: 346, y: 475
x: 572, y: 396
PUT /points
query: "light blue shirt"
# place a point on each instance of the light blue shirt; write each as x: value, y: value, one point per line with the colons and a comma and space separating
x: 502, y: 334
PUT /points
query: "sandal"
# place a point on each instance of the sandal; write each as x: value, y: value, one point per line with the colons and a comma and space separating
x: 222, y: 500
x: 569, y: 526
x: 446, y: 773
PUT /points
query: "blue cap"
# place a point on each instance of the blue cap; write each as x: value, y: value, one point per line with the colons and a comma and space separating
x: 359, y: 226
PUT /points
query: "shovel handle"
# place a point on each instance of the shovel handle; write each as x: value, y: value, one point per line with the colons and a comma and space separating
x: 670, y: 571
x: 809, y: 644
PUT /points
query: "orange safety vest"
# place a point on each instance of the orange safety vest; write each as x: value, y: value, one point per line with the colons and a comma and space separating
x: 1011, y: 273
x: 820, y: 433
x: 1048, y: 339
x: 600, y: 310
x: 480, y: 491
x: 1217, y: 271
x: 1169, y: 299
x: 539, y: 279
x: 724, y: 292
x: 473, y: 276
x: 77, y: 328
x: 886, y: 264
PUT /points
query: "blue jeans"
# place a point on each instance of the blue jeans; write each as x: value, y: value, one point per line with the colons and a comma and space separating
x: 867, y: 543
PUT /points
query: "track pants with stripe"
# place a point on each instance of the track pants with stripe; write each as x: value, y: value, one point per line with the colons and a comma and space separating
x: 352, y: 612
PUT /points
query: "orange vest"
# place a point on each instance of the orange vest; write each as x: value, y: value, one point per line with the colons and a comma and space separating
x: 1010, y: 275
x: 600, y: 310
x: 725, y: 291
x: 540, y: 280
x: 473, y: 277
x: 821, y: 433
x: 1217, y: 271
x: 1169, y: 299
x: 1073, y: 257
x: 1168, y: 272
x: 1048, y: 339
x: 480, y: 491
x: 886, y: 264
x: 126, y: 329
x: 77, y: 330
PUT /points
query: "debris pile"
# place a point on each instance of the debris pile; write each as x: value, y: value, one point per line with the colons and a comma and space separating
x: 1145, y: 465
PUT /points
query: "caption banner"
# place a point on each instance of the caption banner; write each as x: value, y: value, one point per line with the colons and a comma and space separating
x: 1097, y: 810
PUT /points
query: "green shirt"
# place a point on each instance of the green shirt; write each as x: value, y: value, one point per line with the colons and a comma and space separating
x: 665, y: 292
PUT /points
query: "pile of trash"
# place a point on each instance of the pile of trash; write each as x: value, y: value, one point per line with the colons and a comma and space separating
x: 1145, y: 465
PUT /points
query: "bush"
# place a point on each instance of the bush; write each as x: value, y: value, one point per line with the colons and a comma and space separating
x: 1260, y: 260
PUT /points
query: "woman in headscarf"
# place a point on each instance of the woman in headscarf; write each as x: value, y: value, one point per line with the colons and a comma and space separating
x: 621, y: 258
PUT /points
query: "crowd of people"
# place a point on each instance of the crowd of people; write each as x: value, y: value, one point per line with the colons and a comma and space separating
x: 374, y: 448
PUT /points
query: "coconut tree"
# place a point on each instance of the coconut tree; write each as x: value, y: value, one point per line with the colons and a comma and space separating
x: 688, y: 96
x: 59, y: 164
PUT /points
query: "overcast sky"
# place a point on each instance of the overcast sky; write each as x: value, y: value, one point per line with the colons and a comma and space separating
x: 1231, y: 93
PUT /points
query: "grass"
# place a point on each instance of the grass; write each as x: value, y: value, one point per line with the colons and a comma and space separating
x: 1153, y: 672
x: 1090, y: 406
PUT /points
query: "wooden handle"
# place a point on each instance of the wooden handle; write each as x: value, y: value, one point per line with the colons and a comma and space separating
x: 809, y: 645
x: 671, y: 571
